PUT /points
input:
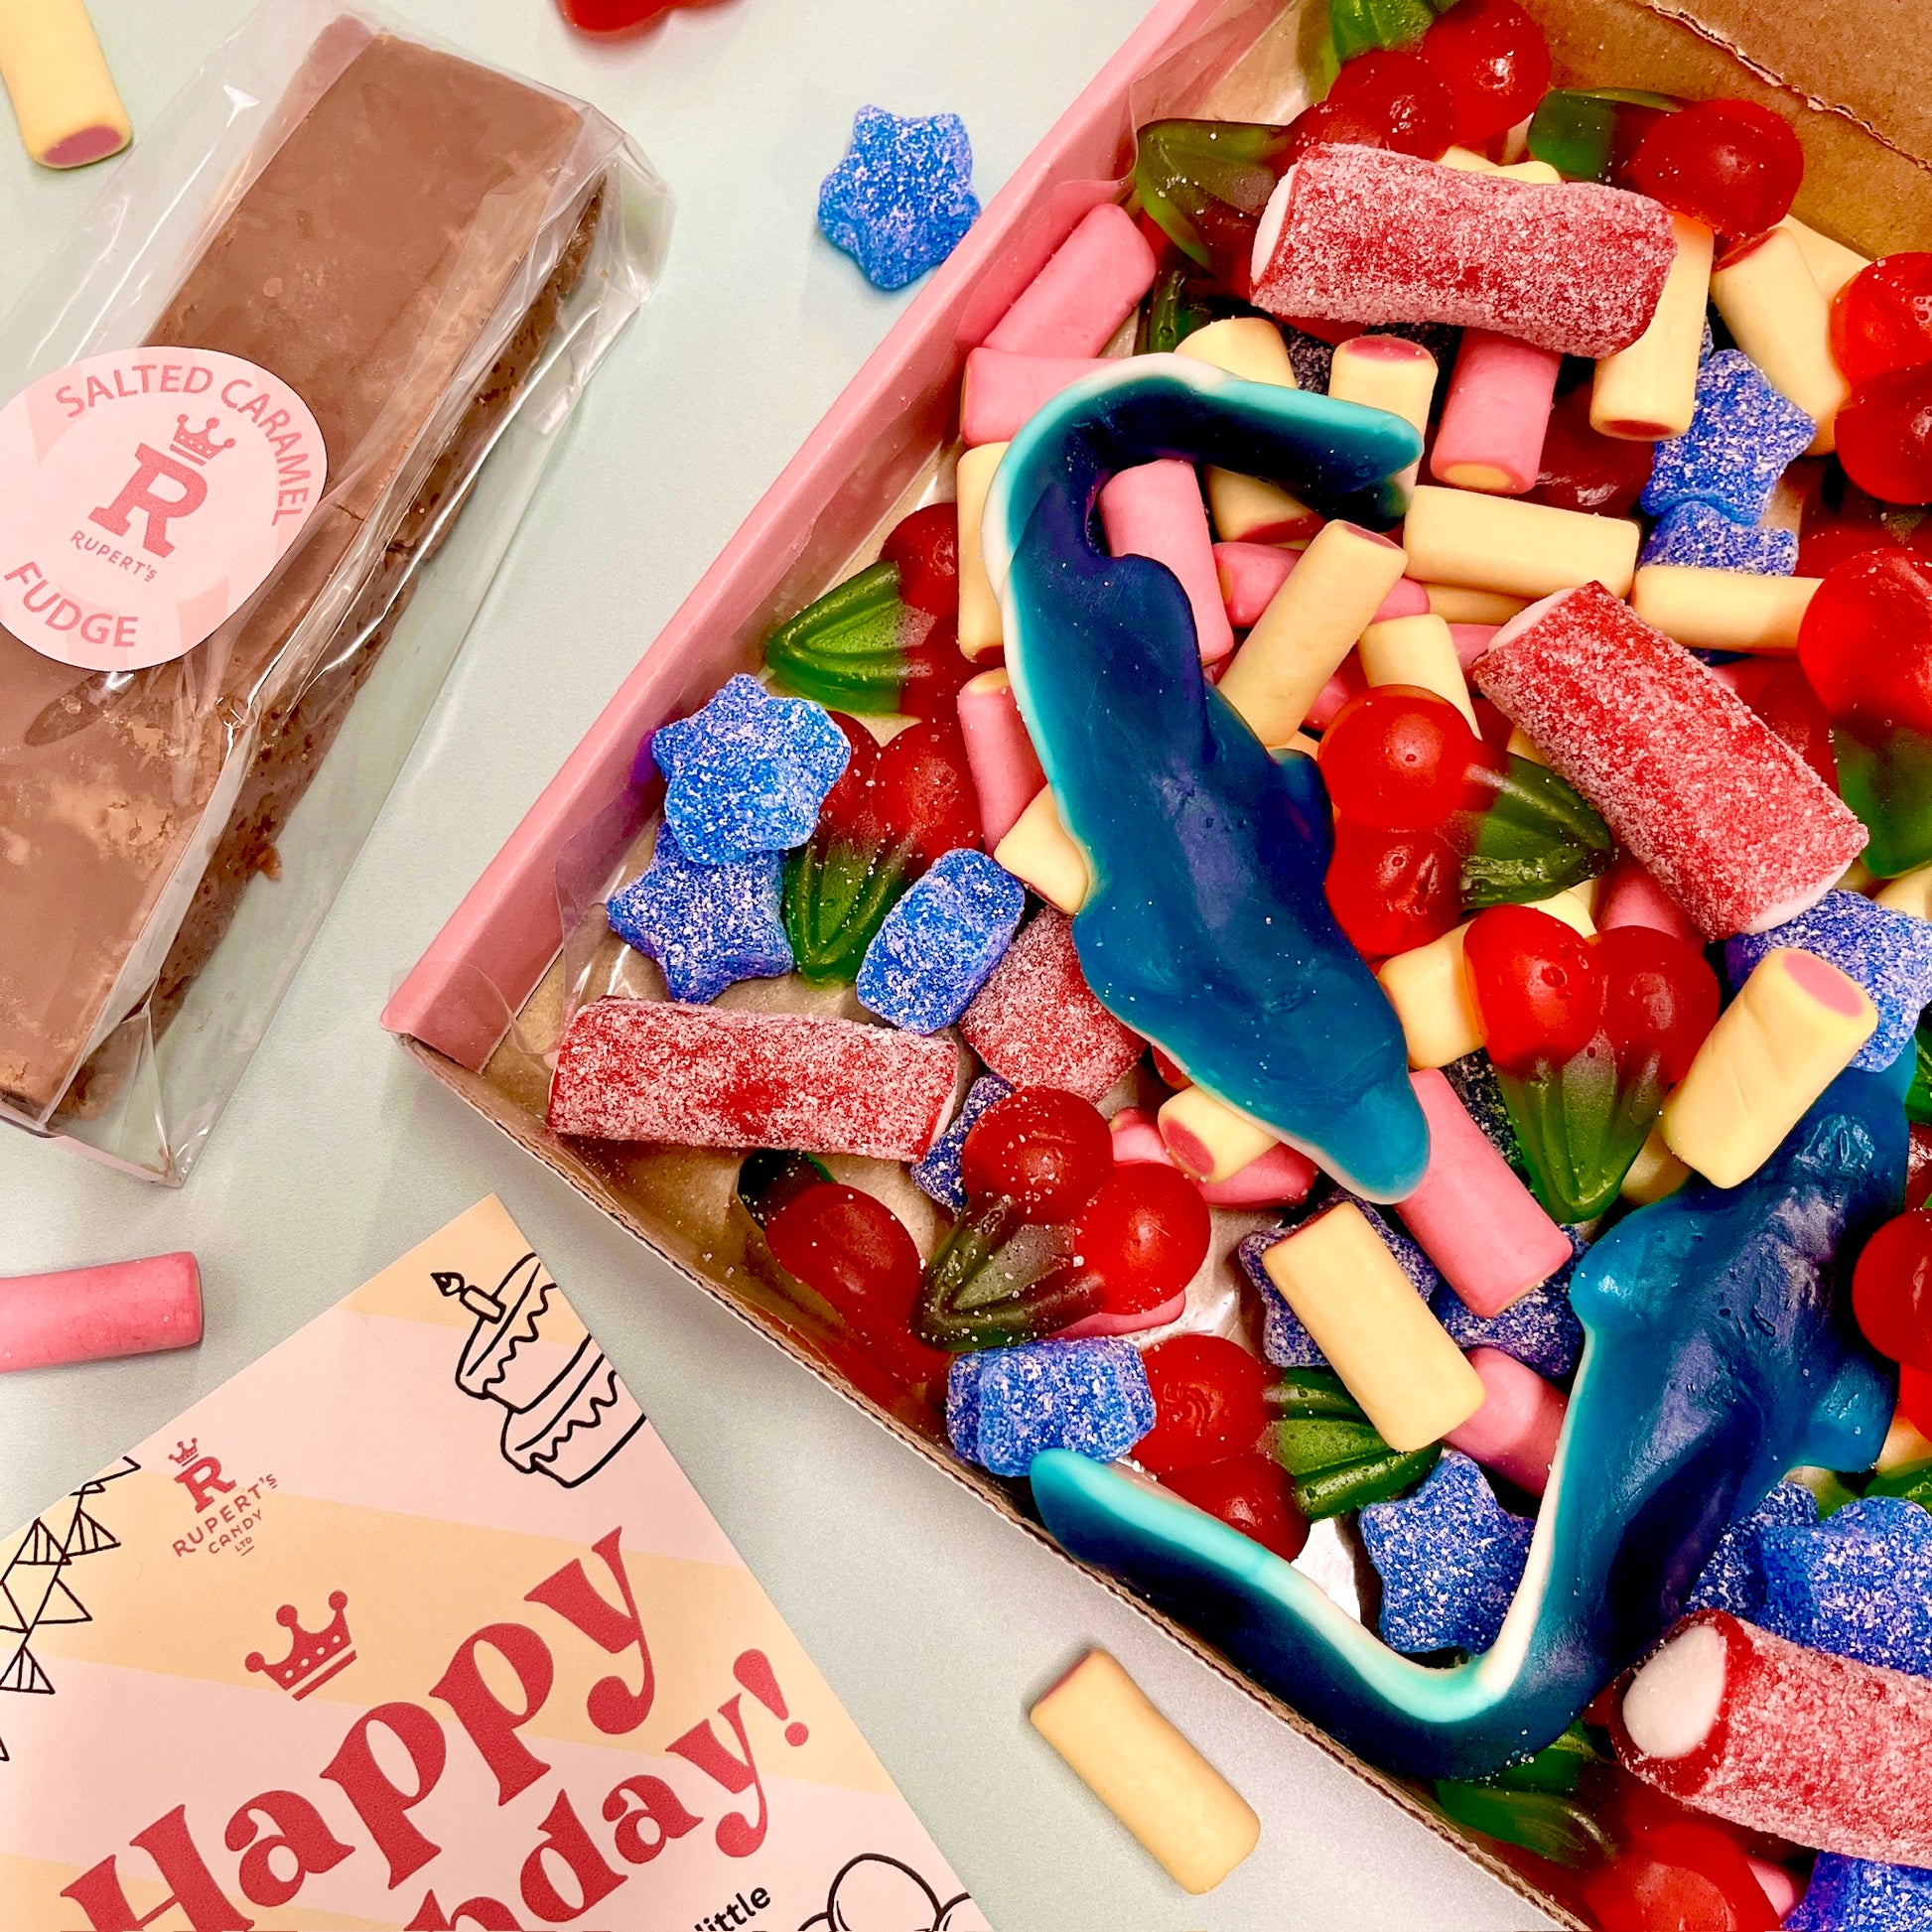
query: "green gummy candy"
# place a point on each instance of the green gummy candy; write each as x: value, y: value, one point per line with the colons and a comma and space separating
x: 1307, y: 1447
x: 1547, y: 1823
x: 1886, y: 779
x: 1371, y: 1479
x: 1361, y: 26
x: 835, y: 901
x: 1576, y: 131
x: 1918, y: 1096
x: 1558, y: 1767
x: 1912, y: 1482
x: 1310, y: 1392
x: 847, y: 652
x: 1535, y: 837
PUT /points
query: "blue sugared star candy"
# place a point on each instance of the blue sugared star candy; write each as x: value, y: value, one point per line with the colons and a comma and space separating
x: 1473, y: 1077
x: 937, y: 1173
x: 1742, y: 438
x: 1707, y: 539
x: 1858, y: 1585
x: 748, y: 773
x: 1451, y: 1557
x: 1734, y: 1578
x: 1539, y: 1329
x: 1888, y: 953
x: 938, y: 944
x: 1860, y: 1895
x: 1006, y: 1406
x: 903, y: 199
x: 705, y: 925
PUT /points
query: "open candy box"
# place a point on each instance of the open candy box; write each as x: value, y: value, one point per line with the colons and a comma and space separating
x: 1430, y: 1446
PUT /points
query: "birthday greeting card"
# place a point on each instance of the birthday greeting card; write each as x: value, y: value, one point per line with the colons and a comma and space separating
x: 415, y: 1624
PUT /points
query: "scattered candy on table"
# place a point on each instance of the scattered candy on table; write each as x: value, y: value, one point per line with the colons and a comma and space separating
x: 88, y: 1315
x: 901, y: 199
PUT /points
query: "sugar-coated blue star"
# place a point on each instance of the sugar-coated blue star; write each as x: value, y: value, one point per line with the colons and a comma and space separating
x: 937, y: 1173
x: 1743, y: 437
x: 1888, y: 953
x: 1539, y: 1329
x: 1473, y: 1077
x: 1449, y: 1556
x: 1858, y: 1585
x: 1707, y: 539
x: 940, y: 944
x: 749, y: 773
x: 1734, y: 1578
x: 1006, y: 1406
x: 1860, y: 1895
x: 705, y: 925
x: 902, y: 197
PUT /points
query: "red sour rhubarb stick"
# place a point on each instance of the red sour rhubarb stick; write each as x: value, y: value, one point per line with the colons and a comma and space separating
x: 702, y: 1076
x: 1730, y: 821
x: 1371, y: 236
x: 1752, y: 1727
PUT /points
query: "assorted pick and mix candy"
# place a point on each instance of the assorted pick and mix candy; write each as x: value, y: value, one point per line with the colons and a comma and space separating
x: 1373, y: 869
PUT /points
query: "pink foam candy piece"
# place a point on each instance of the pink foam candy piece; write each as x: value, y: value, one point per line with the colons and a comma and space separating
x: 1824, y: 1751
x: 1630, y: 896
x: 1350, y: 681
x: 1000, y: 390
x: 88, y: 1315
x: 1472, y: 641
x: 1474, y: 1219
x: 1035, y: 1022
x: 1776, y: 1883
x: 1378, y: 236
x: 1500, y: 394
x: 1004, y: 767
x: 1730, y: 820
x: 1107, y: 1323
x: 706, y: 1076
x: 1251, y: 574
x: 1515, y: 1431
x: 1092, y: 285
x: 1281, y: 1178
x: 1154, y: 509
x: 1136, y: 1139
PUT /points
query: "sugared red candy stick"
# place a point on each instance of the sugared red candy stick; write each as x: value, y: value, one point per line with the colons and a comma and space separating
x: 1360, y: 235
x: 1730, y: 820
x: 702, y: 1076
x: 1794, y: 1027
x: 1076, y: 304
x: 1515, y: 1431
x: 1155, y: 511
x: 1824, y: 1751
x: 1006, y: 767
x: 1499, y: 398
x: 88, y: 1315
x: 1528, y: 550
x: 1000, y: 390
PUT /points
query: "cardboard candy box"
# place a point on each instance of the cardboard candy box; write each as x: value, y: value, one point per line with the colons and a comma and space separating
x: 488, y: 1000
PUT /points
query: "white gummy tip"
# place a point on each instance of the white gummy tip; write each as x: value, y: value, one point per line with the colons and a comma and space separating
x: 1673, y: 1701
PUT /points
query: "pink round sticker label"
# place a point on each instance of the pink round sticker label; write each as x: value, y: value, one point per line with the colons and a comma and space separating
x: 144, y: 496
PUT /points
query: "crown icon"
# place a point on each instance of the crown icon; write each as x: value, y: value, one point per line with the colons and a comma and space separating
x: 199, y: 446
x: 184, y: 1452
x: 314, y: 1656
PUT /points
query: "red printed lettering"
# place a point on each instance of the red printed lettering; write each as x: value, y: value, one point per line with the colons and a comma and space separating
x: 138, y: 494
x: 192, y: 1885
x: 566, y: 1840
x: 298, y: 1831
x: 613, y: 1706
x: 658, y: 1806
x: 738, y: 1835
x: 493, y: 1726
x: 384, y: 1807
x: 487, y: 1915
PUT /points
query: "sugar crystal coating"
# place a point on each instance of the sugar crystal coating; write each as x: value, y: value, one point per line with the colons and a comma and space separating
x: 939, y: 943
x: 938, y: 1174
x: 1006, y: 1406
x: 1734, y: 1578
x: 1743, y: 435
x: 1539, y: 1329
x: 1035, y: 1022
x: 705, y: 925
x: 1861, y: 1895
x: 748, y: 773
x: 1858, y: 1585
x: 901, y: 199
x: 1449, y: 1556
x: 1705, y: 538
x: 1731, y: 820
x: 704, y: 1076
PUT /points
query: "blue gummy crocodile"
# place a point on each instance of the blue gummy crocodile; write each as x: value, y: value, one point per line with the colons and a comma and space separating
x: 1206, y: 929
x: 1720, y: 1354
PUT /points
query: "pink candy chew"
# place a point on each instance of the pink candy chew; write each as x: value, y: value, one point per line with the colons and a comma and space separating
x: 1251, y: 574
x: 1035, y: 1022
x: 86, y: 1315
x: 1730, y: 820
x: 1281, y: 1178
x: 1474, y: 1219
x: 702, y: 1076
x: 1348, y: 681
x: 1632, y: 897
x: 1499, y: 407
x: 1001, y: 391
x: 1754, y: 1728
x: 1004, y: 767
x: 1515, y: 1431
x: 1471, y: 641
x: 1154, y: 509
x: 1373, y: 236
x: 1093, y: 283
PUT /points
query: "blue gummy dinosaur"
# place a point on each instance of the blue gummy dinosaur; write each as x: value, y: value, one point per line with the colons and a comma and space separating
x: 1206, y: 929
x: 1720, y: 1354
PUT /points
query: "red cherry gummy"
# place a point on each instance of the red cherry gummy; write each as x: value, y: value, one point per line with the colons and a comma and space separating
x: 1329, y: 123
x: 1866, y: 640
x: 1043, y: 1150
x: 1732, y: 165
x: 923, y: 791
x: 1918, y: 1165
x: 1584, y: 470
x: 1659, y: 996
x: 1537, y: 987
x: 1391, y: 891
x: 1891, y: 1291
x: 1251, y: 1494
x: 1496, y: 63
x: 614, y: 16
x: 1207, y: 1402
x: 1915, y: 1398
x: 1143, y: 1234
x: 1885, y: 436
x: 925, y: 547
x: 1838, y: 520
x: 1402, y: 95
x: 851, y: 806
x: 1882, y: 319
x: 1398, y: 757
x: 1775, y: 688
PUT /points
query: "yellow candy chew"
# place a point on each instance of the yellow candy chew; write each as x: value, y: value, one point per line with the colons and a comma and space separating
x: 1792, y: 1030
x: 1186, y: 1814
x: 1386, y: 372
x: 1723, y: 610
x: 1500, y: 543
x: 1831, y: 264
x: 1649, y: 390
x: 1207, y: 1136
x: 1655, y: 1172
x: 65, y: 99
x: 1457, y: 603
x: 1428, y: 987
x: 1419, y: 651
x: 980, y: 628
x: 1250, y: 346
x: 1395, y: 1359
x: 1778, y: 316
x: 1040, y: 851
x: 1248, y: 509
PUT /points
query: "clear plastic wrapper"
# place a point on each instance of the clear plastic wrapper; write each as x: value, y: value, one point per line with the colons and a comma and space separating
x: 434, y: 255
